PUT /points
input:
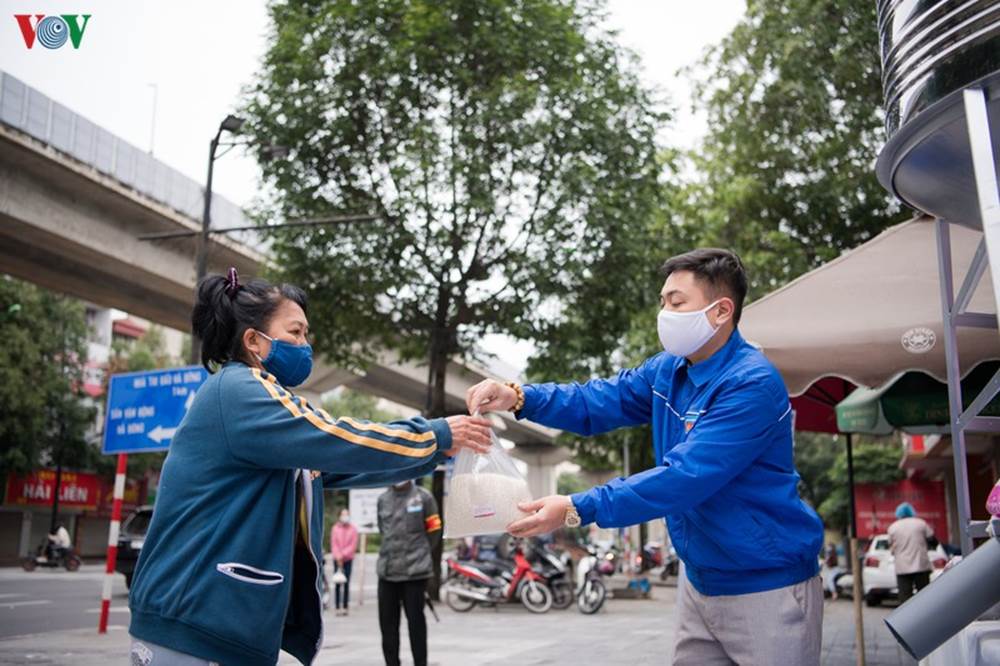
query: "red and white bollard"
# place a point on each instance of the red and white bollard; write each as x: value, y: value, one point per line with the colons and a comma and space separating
x: 116, y: 519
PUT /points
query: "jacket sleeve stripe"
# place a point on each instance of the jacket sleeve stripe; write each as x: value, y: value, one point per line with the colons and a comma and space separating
x: 395, y: 433
x: 333, y: 429
x: 390, y: 432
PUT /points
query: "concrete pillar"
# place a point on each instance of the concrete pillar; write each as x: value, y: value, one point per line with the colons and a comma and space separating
x: 542, y: 461
x: 542, y: 479
x: 25, y: 546
x: 325, y: 378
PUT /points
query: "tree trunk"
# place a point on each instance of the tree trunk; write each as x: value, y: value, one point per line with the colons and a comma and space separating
x: 436, y: 376
x: 59, y: 469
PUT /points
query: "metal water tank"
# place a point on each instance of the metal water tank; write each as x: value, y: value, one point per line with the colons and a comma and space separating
x: 931, y: 51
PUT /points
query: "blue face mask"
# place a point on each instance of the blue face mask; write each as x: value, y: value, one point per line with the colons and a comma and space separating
x: 290, y: 364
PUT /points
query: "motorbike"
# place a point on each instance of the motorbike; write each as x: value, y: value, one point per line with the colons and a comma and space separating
x: 555, y: 569
x: 491, y: 583
x: 651, y: 556
x: 654, y: 556
x: 671, y: 564
x: 49, y: 556
x: 609, y: 560
x: 590, y: 589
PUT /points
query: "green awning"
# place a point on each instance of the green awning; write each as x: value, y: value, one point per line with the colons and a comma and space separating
x: 911, y: 401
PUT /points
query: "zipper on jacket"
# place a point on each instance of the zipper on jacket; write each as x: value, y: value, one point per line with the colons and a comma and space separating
x: 249, y: 574
x: 312, y: 556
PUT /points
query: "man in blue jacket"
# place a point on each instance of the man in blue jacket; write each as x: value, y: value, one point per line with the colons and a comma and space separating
x: 725, y: 480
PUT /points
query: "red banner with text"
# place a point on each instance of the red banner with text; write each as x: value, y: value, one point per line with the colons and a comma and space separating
x: 875, y: 505
x: 77, y: 490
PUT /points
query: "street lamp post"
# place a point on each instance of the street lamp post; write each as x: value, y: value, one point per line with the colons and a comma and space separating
x: 232, y: 124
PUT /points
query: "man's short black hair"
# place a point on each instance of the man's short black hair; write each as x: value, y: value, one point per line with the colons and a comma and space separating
x: 721, y: 270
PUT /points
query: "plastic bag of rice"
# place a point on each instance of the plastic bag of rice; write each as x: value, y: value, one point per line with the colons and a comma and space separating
x: 484, y: 492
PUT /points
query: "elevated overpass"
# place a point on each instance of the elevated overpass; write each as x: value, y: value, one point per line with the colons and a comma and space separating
x: 74, y: 199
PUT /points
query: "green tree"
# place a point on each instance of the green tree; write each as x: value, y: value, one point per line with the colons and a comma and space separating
x: 874, y: 462
x: 815, y: 456
x: 44, y: 418
x: 508, y: 147
x: 786, y: 173
x: 569, y: 483
x: 784, y: 177
x: 149, y: 352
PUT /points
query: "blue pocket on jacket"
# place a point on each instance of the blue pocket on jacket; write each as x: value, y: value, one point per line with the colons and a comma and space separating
x: 241, y: 603
x: 728, y: 539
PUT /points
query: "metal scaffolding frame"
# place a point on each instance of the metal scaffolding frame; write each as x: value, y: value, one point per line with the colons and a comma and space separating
x: 954, y: 308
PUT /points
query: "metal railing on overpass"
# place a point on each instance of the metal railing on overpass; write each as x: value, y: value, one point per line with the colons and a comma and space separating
x: 32, y: 112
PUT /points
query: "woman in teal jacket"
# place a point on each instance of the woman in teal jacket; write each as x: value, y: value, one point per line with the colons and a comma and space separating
x: 230, y: 567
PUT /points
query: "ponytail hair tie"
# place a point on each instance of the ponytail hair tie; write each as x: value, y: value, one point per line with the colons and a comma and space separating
x: 232, y: 283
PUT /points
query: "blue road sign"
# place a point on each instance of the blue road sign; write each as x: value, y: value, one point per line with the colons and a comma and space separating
x: 145, y: 408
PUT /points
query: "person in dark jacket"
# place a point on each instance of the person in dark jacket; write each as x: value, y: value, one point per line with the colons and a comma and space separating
x: 410, y: 524
x: 230, y: 568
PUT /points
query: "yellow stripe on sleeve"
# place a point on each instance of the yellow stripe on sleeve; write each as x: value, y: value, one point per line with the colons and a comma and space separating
x: 333, y: 429
x: 391, y: 432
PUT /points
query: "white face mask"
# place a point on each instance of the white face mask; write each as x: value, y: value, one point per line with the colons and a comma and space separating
x: 684, y: 333
x: 345, y: 519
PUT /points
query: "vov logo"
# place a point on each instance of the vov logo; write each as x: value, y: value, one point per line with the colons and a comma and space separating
x: 52, y: 32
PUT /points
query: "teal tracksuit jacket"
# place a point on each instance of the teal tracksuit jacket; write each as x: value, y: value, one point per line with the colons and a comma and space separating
x: 230, y: 567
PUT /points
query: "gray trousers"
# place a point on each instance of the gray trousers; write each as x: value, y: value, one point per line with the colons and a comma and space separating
x: 774, y: 628
x: 144, y: 653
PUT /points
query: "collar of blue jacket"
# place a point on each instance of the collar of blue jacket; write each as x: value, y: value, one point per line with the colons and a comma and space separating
x: 725, y: 480
x: 700, y: 373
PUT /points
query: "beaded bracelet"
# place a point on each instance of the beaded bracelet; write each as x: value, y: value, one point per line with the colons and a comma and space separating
x: 520, y: 396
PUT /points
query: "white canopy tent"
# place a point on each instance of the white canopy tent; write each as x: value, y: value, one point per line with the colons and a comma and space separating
x: 874, y: 312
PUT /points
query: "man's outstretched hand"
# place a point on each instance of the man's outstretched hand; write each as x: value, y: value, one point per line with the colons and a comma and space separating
x: 547, y: 514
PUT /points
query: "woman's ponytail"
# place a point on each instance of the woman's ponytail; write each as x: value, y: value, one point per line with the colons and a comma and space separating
x: 213, y: 320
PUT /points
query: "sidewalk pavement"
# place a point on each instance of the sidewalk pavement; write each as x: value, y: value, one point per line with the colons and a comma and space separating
x: 625, y: 632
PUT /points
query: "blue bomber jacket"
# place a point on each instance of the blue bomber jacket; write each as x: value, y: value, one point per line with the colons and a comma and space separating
x: 724, y: 477
x: 230, y: 567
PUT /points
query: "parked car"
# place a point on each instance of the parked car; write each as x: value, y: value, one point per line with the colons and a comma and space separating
x: 130, y: 541
x: 878, y: 575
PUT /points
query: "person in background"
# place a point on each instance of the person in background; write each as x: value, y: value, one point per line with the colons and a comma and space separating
x: 59, y: 541
x: 411, y: 527
x: 908, y: 538
x: 343, y: 545
x: 831, y: 567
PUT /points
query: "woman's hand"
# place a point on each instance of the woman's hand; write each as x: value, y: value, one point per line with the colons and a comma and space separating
x: 490, y: 396
x: 469, y: 432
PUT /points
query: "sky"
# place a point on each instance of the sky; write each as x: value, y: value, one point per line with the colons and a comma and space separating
x: 162, y: 75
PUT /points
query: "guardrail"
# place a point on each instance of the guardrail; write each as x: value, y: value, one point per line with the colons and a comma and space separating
x: 30, y: 111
